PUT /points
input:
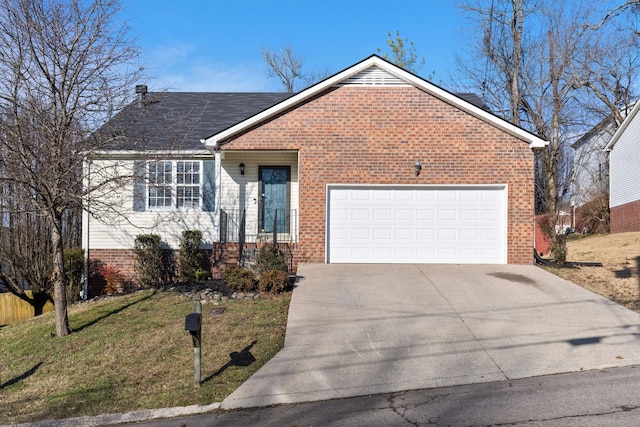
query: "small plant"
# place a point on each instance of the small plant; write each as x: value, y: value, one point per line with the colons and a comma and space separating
x: 559, y: 249
x: 270, y: 258
x: 149, y: 265
x: 273, y: 281
x: 202, y: 275
x: 105, y: 279
x: 239, y: 279
x: 190, y: 255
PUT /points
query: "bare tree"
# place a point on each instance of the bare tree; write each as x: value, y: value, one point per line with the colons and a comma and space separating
x: 67, y: 67
x: 535, y: 65
x: 632, y: 6
x: 285, y: 66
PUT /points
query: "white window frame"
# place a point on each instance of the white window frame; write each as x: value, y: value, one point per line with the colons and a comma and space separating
x: 173, y: 186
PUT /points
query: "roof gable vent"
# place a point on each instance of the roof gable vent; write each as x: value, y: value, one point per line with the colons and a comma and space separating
x: 374, y: 76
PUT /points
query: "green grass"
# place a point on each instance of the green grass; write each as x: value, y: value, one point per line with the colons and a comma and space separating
x: 131, y: 352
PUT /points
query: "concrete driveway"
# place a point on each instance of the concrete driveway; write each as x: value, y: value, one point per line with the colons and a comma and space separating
x: 363, y: 329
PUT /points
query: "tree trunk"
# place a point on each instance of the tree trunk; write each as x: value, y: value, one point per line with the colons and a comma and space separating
x: 58, y: 278
x: 39, y: 301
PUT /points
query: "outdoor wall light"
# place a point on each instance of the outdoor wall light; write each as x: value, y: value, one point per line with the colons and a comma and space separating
x: 241, y: 168
x: 417, y: 168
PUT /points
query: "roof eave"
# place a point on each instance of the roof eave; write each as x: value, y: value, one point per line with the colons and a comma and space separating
x: 374, y: 60
x: 621, y: 128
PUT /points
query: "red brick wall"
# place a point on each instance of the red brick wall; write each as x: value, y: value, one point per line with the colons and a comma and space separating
x: 374, y: 136
x: 221, y: 256
x: 122, y: 259
x: 625, y: 218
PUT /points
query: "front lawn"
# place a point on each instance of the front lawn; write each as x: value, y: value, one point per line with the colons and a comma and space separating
x: 131, y: 352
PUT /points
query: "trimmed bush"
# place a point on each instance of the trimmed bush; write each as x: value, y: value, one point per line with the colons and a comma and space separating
x: 190, y: 255
x: 273, y: 281
x: 270, y: 258
x: 239, y: 279
x: 149, y: 265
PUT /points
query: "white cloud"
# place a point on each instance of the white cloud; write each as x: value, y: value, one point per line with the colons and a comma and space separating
x: 178, y: 67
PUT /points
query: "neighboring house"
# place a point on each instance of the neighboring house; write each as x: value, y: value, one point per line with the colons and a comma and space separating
x: 590, y: 183
x: 371, y: 165
x: 624, y: 179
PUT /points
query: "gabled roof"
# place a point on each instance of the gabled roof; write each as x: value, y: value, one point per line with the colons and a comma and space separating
x: 399, y: 76
x: 180, y: 120
x: 623, y: 126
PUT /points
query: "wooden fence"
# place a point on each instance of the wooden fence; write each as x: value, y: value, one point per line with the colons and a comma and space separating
x: 13, y: 309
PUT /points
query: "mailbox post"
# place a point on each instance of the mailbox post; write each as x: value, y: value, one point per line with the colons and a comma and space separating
x: 193, y: 324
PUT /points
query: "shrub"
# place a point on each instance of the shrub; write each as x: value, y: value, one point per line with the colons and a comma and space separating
x: 74, y: 268
x: 105, y: 279
x: 190, y: 255
x: 149, y: 265
x: 273, y: 281
x: 201, y: 274
x: 114, y: 282
x: 270, y: 258
x: 239, y: 279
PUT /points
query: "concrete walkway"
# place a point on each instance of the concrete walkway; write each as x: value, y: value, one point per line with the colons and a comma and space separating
x: 363, y: 329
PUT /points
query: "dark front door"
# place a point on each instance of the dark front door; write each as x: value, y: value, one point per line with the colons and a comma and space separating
x: 275, y: 188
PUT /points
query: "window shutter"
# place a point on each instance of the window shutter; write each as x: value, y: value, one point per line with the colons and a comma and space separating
x: 139, y: 186
x: 208, y: 185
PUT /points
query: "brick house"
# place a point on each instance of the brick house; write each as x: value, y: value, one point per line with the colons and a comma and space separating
x: 624, y: 180
x: 371, y: 165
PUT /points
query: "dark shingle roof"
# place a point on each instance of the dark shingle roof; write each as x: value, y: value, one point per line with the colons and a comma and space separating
x: 474, y: 99
x: 179, y: 120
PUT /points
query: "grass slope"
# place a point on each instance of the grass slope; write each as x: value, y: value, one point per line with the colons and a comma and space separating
x: 619, y: 277
x: 131, y: 352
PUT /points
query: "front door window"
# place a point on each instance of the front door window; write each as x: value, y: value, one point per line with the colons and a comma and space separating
x: 275, y: 187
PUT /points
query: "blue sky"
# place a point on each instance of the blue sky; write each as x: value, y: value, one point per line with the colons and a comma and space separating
x: 200, y: 45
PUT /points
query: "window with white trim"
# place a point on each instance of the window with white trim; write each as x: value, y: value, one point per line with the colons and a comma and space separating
x: 174, y: 184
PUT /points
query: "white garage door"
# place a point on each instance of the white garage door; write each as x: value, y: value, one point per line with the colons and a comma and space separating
x: 453, y: 224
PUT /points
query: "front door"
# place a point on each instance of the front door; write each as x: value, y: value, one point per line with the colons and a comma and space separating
x: 275, y: 188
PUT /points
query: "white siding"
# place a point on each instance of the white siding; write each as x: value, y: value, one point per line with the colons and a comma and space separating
x: 242, y: 191
x: 625, y: 166
x: 591, y: 168
x: 118, y: 229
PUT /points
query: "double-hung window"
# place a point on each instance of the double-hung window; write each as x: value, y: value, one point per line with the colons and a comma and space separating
x: 188, y: 184
x: 160, y: 185
x: 174, y: 184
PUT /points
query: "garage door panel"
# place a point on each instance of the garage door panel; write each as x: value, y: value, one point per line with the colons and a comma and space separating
x: 468, y: 196
x: 404, y: 234
x: 417, y: 224
x: 447, y: 215
x: 382, y: 214
x: 469, y: 215
x: 447, y: 234
x: 404, y: 215
x: 425, y: 214
x: 426, y: 233
x: 360, y: 234
x: 469, y: 234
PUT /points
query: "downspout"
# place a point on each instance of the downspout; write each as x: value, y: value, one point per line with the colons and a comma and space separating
x: 218, y: 190
x: 85, y: 233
